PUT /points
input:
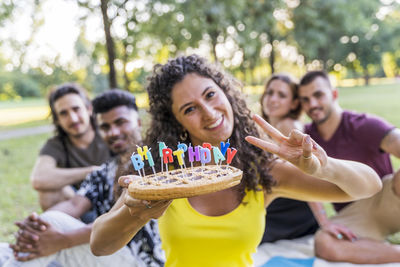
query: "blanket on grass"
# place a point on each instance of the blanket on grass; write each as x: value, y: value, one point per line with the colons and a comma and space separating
x: 298, y: 253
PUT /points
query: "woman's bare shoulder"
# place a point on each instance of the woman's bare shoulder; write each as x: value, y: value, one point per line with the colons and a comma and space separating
x: 287, y: 125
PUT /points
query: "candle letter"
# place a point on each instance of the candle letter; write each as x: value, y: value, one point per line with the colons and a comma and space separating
x: 207, y: 145
x: 183, y: 147
x: 137, y: 161
x: 224, y: 147
x: 143, y: 153
x: 205, y: 155
x: 167, y: 155
x: 161, y: 146
x: 217, y: 155
x: 179, y: 155
x: 195, y: 153
x: 231, y: 153
x: 150, y: 158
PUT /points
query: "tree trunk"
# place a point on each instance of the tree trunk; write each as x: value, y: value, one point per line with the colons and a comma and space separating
x: 126, y: 78
x: 110, y: 44
x: 366, y: 77
x: 323, y: 65
x: 272, y: 55
x: 272, y: 59
x: 213, y: 35
x: 214, y: 44
x: 323, y: 58
x: 35, y: 28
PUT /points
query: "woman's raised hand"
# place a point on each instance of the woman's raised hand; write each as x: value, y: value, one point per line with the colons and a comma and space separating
x: 142, y: 208
x: 298, y: 148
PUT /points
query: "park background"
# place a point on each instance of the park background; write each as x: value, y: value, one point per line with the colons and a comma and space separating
x: 104, y: 44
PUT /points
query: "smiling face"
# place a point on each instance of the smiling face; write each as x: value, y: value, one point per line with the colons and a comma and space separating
x: 120, y: 128
x: 72, y: 115
x: 317, y: 99
x: 278, y: 100
x: 202, y: 108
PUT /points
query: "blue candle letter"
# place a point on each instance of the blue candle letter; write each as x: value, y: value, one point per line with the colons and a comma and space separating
x: 161, y: 146
x: 150, y: 158
x: 137, y: 161
x: 224, y: 147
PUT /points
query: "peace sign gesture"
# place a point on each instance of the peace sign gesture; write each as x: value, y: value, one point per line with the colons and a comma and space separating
x: 299, y: 149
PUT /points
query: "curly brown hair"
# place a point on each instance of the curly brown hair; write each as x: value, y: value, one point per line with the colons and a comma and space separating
x: 294, y: 87
x: 254, y: 162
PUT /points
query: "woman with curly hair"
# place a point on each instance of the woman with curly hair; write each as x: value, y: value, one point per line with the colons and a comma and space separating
x: 193, y: 101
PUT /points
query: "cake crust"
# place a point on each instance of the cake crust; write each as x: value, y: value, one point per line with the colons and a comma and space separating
x: 185, y: 183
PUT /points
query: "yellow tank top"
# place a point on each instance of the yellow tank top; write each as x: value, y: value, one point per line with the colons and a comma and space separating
x: 191, y: 239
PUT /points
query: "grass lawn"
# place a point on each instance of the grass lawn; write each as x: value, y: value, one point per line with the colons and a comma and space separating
x: 26, y: 124
x: 26, y: 102
x: 35, y: 112
x: 381, y: 100
x: 23, y: 113
x: 17, y: 199
x: 15, y: 116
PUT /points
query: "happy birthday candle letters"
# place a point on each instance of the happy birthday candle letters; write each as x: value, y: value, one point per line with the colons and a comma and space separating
x: 202, y: 154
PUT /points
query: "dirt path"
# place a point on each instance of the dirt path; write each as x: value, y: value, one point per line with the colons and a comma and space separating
x: 4, y: 135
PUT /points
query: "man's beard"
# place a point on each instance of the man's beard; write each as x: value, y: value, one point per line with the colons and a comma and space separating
x: 78, y: 135
x: 132, y: 141
x: 324, y: 119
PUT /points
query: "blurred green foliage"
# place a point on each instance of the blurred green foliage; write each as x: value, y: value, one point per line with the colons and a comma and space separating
x: 250, y: 38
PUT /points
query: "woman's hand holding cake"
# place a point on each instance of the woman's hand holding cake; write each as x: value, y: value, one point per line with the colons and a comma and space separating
x: 144, y: 208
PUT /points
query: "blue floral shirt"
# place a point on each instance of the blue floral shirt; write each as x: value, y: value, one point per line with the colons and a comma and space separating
x: 98, y: 188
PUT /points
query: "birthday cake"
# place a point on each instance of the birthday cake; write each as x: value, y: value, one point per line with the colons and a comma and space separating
x: 186, y: 181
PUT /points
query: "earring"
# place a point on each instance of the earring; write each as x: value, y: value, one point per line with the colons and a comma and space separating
x: 183, y: 136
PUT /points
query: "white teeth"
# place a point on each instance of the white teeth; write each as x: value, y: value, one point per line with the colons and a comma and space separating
x: 215, y: 124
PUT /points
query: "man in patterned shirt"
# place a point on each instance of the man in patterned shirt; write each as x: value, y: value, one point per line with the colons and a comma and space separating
x: 57, y: 236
